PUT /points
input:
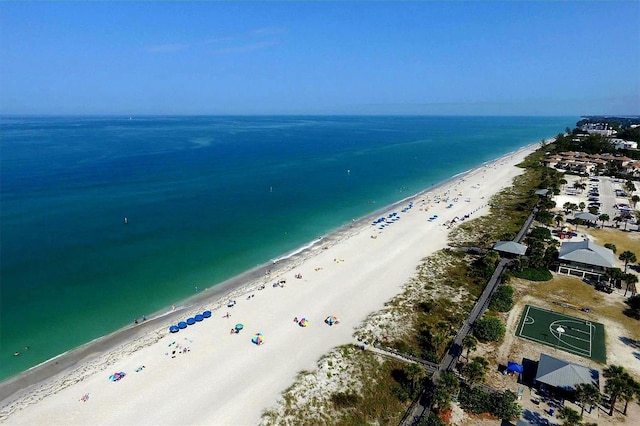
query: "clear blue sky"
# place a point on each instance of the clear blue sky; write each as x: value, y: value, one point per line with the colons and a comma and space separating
x: 479, y: 58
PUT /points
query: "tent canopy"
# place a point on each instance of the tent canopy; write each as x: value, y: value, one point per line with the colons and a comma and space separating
x: 515, y: 367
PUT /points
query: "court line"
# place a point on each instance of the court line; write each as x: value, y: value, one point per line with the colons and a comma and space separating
x: 553, y: 346
x: 565, y: 345
x: 524, y: 319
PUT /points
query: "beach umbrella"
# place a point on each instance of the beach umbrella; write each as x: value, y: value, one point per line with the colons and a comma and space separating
x: 303, y: 322
x: 206, y: 314
x: 239, y: 327
x: 331, y: 320
x: 191, y: 321
x: 174, y: 329
x: 198, y: 317
x: 182, y: 324
x: 258, y: 339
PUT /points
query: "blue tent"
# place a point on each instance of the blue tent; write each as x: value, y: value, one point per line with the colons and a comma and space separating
x: 198, y: 317
x: 515, y: 367
x: 206, y: 314
x: 182, y: 324
x: 174, y: 329
x: 191, y: 321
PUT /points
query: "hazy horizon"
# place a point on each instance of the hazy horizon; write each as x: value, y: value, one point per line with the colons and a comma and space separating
x: 320, y: 58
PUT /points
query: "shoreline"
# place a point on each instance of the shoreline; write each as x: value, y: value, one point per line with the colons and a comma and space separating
x: 155, y: 327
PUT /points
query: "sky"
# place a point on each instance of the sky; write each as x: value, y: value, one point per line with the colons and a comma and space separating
x: 317, y: 57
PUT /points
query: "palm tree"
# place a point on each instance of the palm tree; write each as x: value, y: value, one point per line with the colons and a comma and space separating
x: 563, y: 182
x: 629, y: 186
x: 616, y: 382
x: 570, y: 416
x: 475, y: 371
x: 582, y: 205
x: 634, y: 200
x: 617, y: 220
x: 577, y: 222
x: 559, y: 219
x: 631, y: 281
x: 628, y: 256
x: 604, y: 218
x: 446, y: 387
x: 416, y: 374
x: 614, y: 274
x: 470, y: 343
x: 566, y: 207
x: 587, y: 394
x: 629, y: 392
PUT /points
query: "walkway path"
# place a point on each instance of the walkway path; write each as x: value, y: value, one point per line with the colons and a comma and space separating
x: 421, y: 406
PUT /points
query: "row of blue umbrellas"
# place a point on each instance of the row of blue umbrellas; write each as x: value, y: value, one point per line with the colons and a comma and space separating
x: 190, y: 321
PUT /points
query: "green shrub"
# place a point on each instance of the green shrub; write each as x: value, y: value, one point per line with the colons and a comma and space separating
x: 478, y: 401
x: 489, y: 329
x: 502, y: 299
x: 475, y: 400
x: 534, y: 274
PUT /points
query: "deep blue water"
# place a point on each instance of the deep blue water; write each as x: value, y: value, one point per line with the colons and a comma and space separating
x: 206, y: 198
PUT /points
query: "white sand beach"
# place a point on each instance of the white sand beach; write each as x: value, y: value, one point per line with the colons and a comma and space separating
x: 215, y: 377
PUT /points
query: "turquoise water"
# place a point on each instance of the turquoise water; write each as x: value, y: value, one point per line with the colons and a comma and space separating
x: 206, y: 198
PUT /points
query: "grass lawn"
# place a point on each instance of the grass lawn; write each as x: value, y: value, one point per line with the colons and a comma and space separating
x: 622, y: 240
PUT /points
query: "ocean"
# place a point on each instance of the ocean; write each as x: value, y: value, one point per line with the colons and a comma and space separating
x: 106, y: 219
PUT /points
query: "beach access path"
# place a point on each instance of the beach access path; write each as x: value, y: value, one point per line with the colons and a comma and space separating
x: 207, y: 375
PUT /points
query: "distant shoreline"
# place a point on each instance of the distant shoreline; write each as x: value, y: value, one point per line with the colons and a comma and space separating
x: 215, y: 295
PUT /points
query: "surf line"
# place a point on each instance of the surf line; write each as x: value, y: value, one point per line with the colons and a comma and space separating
x: 300, y: 250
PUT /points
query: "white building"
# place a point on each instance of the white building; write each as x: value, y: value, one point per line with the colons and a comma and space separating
x: 622, y: 144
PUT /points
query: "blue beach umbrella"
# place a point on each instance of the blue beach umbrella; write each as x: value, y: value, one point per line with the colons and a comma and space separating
x: 331, y: 320
x: 191, y: 321
x: 182, y: 324
x: 206, y: 314
x: 174, y: 329
x: 199, y: 317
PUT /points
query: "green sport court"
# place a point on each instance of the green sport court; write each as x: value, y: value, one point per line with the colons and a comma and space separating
x: 573, y: 335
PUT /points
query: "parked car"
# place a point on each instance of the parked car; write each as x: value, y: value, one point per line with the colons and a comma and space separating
x: 604, y: 287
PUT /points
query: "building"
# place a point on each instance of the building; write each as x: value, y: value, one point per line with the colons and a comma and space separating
x: 585, y: 259
x: 510, y: 248
x: 623, y: 144
x: 562, y: 377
